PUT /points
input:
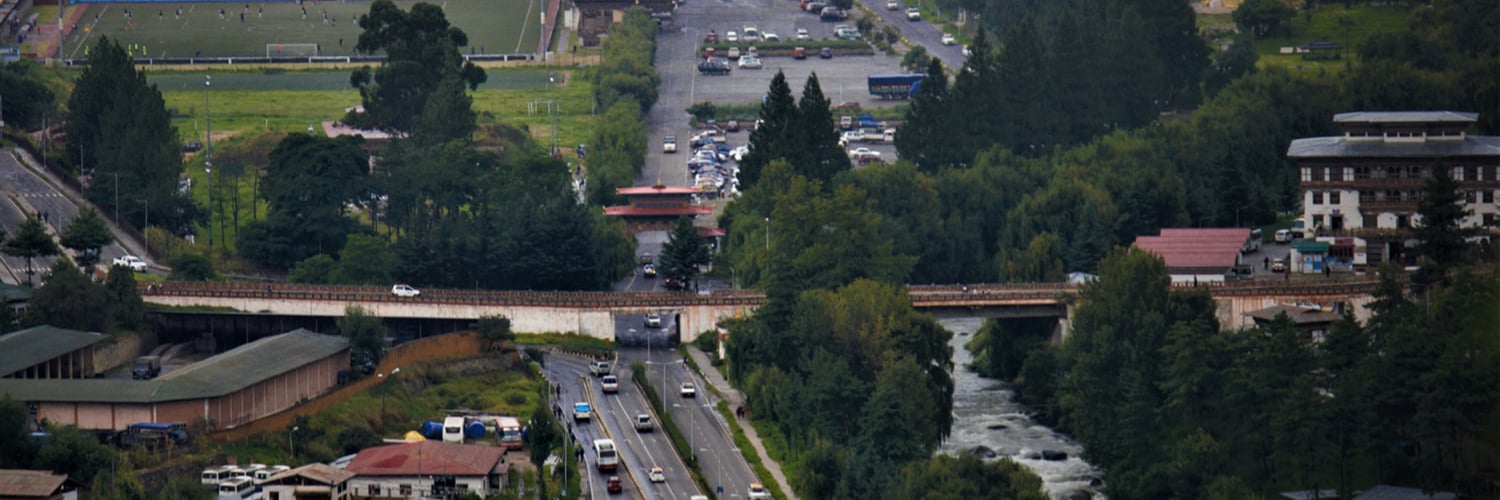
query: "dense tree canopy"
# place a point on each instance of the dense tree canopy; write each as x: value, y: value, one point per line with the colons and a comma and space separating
x: 308, y: 184
x: 86, y: 234
x: 422, y: 70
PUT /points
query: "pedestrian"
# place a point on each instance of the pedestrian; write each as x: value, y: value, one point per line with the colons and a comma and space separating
x: 1267, y: 263
x: 242, y: 17
x: 1326, y: 271
x: 341, y: 42
x: 161, y: 15
x: 260, y: 12
x: 222, y: 14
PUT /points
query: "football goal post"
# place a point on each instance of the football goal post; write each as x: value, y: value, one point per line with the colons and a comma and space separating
x: 291, y: 49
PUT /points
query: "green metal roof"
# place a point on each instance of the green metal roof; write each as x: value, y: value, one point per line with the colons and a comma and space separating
x: 1310, y: 246
x: 37, y: 344
x: 220, y: 375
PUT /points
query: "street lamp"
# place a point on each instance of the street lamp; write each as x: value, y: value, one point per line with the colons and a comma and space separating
x: 382, y: 397
x: 292, y: 444
x: 768, y: 234
x: 208, y: 160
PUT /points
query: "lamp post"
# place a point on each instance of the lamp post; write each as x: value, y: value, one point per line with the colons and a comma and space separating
x: 768, y: 234
x: 292, y: 444
x: 146, y: 225
x: 208, y: 160
x: 382, y: 397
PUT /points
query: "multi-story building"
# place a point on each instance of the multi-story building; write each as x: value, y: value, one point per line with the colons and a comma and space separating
x: 1360, y: 190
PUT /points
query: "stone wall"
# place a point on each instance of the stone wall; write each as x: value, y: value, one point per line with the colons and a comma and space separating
x: 122, y: 351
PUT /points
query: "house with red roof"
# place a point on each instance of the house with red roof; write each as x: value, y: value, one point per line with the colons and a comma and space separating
x: 1197, y: 255
x: 427, y: 468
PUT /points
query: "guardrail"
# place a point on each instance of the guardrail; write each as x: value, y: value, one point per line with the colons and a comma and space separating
x: 351, y: 59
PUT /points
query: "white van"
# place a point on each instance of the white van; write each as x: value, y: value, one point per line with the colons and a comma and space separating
x: 605, y: 455
x: 453, y: 430
x: 214, y: 475
x: 1283, y: 236
x: 262, y: 475
x: 238, y: 488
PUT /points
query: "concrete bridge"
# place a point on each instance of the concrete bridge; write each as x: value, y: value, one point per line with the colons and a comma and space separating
x: 594, y: 313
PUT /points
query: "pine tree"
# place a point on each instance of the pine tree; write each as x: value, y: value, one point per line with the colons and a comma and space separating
x: 820, y: 155
x: 683, y: 253
x: 86, y: 234
x: 1023, y: 79
x: 923, y: 137
x: 1442, y: 240
x: 31, y: 241
x: 769, y: 139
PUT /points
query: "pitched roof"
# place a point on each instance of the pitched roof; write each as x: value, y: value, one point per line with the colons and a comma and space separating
x: 248, y: 364
x: 220, y: 375
x: 316, y: 472
x: 645, y: 190
x: 1335, y: 147
x: 1298, y: 315
x: 22, y: 483
x: 642, y: 211
x: 1215, y: 248
x: 427, y: 457
x: 37, y: 344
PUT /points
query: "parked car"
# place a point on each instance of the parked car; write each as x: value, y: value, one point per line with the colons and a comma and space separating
x: 802, y: 34
x: 734, y: 53
x: 750, y: 62
x: 656, y: 475
x: 750, y: 34
x: 948, y: 39
x: 799, y: 53
x: 731, y: 36
x: 825, y: 53
x: 669, y: 144
x: 711, y: 37
x: 770, y: 36
x: 815, y: 7
x: 913, y: 14
x: 864, y: 154
x: 832, y: 14
x: 732, y: 126
x: 405, y: 291
x: 1283, y: 236
x: 713, y: 67
x: 132, y: 262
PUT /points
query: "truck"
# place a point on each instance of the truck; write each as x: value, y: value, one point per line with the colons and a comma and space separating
x: 146, y: 368
x: 606, y: 457
x: 152, y: 435
x: 896, y: 86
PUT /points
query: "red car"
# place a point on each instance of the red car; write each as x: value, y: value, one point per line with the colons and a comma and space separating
x: 711, y: 38
x: 614, y: 485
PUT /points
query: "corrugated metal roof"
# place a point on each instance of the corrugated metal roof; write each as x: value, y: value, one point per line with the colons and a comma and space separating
x: 37, y: 344
x: 1180, y: 248
x: 1334, y: 147
x: 1405, y: 117
x: 248, y: 364
x: 427, y: 457
x: 1298, y: 315
x: 22, y: 483
x: 317, y: 472
x: 236, y: 369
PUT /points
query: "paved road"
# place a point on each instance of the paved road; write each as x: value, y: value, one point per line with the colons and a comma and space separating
x: 42, y: 198
x: 570, y: 373
x: 920, y: 32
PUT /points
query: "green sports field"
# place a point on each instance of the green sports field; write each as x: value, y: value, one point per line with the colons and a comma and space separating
x: 158, y: 30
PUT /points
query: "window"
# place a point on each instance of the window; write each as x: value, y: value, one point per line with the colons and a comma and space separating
x: 1317, y: 173
x: 405, y: 490
x: 276, y: 495
x: 1317, y: 197
x: 1489, y: 220
x: 1336, y: 173
x: 1487, y: 196
x: 1469, y: 197
x: 1306, y: 174
x: 1333, y: 197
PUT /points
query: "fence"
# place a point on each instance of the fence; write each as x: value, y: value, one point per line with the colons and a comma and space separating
x: 169, y: 61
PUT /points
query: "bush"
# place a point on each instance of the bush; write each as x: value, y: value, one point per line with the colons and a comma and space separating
x: 703, y: 110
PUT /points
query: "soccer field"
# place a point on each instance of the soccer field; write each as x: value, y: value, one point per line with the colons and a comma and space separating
x: 220, y: 29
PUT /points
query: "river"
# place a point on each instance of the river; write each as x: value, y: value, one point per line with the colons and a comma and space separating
x: 986, y: 414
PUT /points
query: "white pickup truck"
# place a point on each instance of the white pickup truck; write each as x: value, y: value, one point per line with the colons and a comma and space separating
x: 132, y: 262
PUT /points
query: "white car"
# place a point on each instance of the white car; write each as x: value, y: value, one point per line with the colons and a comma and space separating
x: 770, y: 36
x: 688, y: 390
x: 892, y: 5
x: 863, y: 154
x: 730, y: 36
x: 750, y: 34
x: 912, y: 14
x: 739, y: 152
x: 653, y: 321
x: 132, y: 262
x: 948, y: 39
x: 802, y: 34
x: 405, y: 291
x: 656, y: 475
x: 750, y: 62
x: 758, y: 491
x: 609, y: 384
x: 669, y: 144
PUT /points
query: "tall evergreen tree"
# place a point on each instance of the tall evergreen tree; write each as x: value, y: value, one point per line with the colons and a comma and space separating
x: 819, y: 156
x: 924, y: 137
x: 976, y: 95
x: 771, y: 137
x: 1023, y: 78
x: 31, y: 241
x: 120, y: 122
x: 1070, y: 80
x: 86, y: 234
x: 422, y: 49
x: 683, y: 253
x: 1442, y: 242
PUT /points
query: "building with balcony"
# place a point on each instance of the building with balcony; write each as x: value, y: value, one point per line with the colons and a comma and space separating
x: 1360, y: 190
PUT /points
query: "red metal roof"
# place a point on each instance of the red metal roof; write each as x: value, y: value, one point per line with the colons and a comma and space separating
x: 711, y: 231
x: 643, y: 211
x: 427, y: 457
x: 23, y: 483
x: 1196, y: 247
x: 639, y: 190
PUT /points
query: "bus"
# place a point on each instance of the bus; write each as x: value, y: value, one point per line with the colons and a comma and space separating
x: 509, y: 430
x: 1252, y: 244
x: 239, y: 488
x: 263, y: 474
x: 214, y: 475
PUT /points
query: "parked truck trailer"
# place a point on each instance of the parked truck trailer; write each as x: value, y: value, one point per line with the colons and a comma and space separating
x: 896, y: 86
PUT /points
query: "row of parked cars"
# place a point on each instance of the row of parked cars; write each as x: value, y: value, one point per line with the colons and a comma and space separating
x: 713, y: 174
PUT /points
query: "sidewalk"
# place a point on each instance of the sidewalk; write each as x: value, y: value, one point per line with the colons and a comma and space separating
x: 736, y: 399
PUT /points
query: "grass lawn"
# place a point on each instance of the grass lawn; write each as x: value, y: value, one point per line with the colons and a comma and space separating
x: 246, y: 105
x: 1334, y: 23
x: 493, y: 26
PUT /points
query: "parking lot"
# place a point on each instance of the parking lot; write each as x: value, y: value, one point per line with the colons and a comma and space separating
x: 843, y: 78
